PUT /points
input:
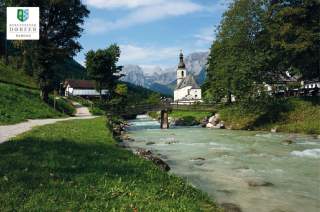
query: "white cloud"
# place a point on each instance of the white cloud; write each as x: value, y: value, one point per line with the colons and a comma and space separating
x: 112, y: 4
x: 205, y: 37
x: 149, y: 56
x: 146, y: 13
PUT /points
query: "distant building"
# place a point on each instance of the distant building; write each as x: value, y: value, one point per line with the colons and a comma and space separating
x: 187, y: 90
x: 311, y: 84
x: 83, y: 88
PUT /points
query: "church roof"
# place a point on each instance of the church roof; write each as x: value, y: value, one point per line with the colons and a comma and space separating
x: 188, y: 81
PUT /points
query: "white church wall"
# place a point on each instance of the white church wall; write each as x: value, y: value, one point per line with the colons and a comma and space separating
x: 195, y: 93
x: 181, y: 93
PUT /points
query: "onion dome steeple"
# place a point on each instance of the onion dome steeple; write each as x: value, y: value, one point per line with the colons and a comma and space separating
x: 181, y: 65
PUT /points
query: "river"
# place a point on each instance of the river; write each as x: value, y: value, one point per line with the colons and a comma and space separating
x: 255, y: 170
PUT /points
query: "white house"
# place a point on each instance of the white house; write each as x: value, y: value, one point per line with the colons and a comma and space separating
x: 311, y: 84
x: 187, y: 90
x: 83, y: 88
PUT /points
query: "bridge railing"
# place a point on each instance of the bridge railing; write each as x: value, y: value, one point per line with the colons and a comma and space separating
x: 144, y: 108
x: 194, y: 107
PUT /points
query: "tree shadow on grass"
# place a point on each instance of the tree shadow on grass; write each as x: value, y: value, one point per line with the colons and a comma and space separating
x: 38, y: 173
x: 31, y: 162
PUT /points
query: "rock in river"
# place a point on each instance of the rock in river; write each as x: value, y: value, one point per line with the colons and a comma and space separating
x: 287, y: 142
x: 257, y: 183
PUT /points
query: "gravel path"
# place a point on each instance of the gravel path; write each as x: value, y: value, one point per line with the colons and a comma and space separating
x: 10, y: 131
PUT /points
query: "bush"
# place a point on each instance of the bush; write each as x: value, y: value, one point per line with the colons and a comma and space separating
x: 63, y: 106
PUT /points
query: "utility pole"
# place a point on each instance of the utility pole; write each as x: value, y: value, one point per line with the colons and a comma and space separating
x: 6, y: 51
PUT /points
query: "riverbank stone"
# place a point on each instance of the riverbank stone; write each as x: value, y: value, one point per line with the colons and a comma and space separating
x: 230, y: 207
x: 148, y: 155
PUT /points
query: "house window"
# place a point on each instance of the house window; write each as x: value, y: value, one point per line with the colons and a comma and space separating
x: 196, y: 96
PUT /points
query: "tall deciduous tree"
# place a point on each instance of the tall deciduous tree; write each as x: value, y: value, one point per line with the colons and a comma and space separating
x: 234, y: 62
x: 295, y: 31
x: 60, y: 26
x: 102, y: 67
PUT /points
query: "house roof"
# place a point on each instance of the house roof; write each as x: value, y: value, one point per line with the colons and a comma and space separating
x: 188, y: 81
x: 80, y: 84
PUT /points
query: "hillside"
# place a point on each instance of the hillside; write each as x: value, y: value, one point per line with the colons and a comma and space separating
x: 11, y: 75
x: 20, y: 100
x: 17, y: 77
x: 18, y: 104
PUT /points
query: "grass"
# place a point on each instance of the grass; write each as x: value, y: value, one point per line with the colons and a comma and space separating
x: 303, y: 118
x: 292, y: 115
x: 19, y: 104
x: 76, y: 166
x: 16, y: 77
x: 197, y: 115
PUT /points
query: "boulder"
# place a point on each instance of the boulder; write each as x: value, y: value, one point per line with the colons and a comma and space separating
x: 219, y: 126
x: 199, y: 158
x: 258, y: 183
x: 287, y: 142
x: 172, y: 142
x: 274, y: 130
x: 211, y: 119
x: 230, y: 207
x: 209, y: 125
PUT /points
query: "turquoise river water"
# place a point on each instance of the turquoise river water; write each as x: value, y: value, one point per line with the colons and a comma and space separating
x: 254, y: 170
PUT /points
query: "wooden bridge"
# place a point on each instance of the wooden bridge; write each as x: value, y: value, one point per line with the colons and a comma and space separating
x: 163, y: 107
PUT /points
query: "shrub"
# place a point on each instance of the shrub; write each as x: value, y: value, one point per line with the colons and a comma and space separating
x: 63, y: 106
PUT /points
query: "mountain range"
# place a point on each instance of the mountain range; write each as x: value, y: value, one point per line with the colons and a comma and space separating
x: 164, y: 80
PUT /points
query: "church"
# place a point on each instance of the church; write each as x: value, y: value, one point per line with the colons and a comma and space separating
x: 187, y: 90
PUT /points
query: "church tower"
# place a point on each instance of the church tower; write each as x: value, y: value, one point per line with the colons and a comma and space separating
x: 181, y: 71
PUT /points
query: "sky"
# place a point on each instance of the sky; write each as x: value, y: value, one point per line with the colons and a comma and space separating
x: 151, y: 33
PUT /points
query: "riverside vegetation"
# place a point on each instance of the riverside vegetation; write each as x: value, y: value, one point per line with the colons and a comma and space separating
x: 76, y: 165
x: 292, y: 115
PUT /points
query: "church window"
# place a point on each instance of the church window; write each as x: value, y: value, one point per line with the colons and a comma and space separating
x: 182, y: 73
